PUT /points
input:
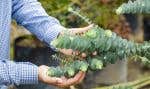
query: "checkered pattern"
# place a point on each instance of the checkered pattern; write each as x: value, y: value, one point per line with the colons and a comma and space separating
x: 31, y: 15
x: 18, y: 73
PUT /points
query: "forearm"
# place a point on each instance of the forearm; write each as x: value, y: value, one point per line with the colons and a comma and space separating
x: 30, y: 14
x: 18, y: 73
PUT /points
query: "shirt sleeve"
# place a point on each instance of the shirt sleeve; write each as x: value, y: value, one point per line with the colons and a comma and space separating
x: 18, y: 73
x: 31, y: 15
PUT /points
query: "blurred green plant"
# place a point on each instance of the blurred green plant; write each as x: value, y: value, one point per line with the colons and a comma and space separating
x: 99, y: 11
x: 56, y: 8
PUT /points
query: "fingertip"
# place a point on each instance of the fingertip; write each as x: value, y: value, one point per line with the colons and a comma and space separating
x: 83, y: 55
x: 77, y: 53
x: 94, y: 53
x: 81, y: 72
x: 79, y: 77
x: 91, y: 25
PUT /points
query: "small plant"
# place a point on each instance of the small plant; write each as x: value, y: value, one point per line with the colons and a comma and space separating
x: 107, y: 44
x: 71, y: 68
x: 138, y: 6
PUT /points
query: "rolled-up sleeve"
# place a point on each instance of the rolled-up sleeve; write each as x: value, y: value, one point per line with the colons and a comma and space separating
x: 31, y: 15
x: 18, y: 73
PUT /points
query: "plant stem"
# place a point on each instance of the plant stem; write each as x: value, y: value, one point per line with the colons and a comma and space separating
x: 135, y: 84
x: 142, y: 84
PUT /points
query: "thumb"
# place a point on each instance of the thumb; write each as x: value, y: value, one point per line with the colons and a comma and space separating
x: 81, y: 30
x: 88, y: 27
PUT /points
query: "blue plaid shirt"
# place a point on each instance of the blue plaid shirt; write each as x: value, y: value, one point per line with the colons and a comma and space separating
x: 31, y: 15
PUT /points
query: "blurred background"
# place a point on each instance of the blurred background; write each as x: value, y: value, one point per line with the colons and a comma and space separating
x: 25, y: 47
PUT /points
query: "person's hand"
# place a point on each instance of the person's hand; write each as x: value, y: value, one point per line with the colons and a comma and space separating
x: 75, y: 31
x: 60, y: 82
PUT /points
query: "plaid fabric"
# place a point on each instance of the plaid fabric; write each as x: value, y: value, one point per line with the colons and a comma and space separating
x: 30, y: 14
x: 18, y: 73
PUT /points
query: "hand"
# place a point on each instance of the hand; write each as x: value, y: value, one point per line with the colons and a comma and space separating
x: 60, y: 82
x: 75, y: 31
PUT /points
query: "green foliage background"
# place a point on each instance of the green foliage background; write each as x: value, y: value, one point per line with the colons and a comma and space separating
x: 100, y: 13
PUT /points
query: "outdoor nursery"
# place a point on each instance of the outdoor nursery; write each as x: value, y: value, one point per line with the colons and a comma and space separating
x: 114, y: 53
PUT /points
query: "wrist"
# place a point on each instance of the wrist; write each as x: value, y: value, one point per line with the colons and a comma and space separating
x: 42, y: 72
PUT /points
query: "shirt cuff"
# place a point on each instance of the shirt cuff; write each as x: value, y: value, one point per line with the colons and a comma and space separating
x: 27, y: 73
x: 52, y: 33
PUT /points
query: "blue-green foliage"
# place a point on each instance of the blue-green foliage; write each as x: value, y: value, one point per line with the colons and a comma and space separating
x: 138, y: 6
